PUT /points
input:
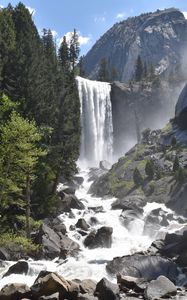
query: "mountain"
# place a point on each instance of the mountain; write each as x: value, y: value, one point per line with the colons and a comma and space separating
x: 160, y: 38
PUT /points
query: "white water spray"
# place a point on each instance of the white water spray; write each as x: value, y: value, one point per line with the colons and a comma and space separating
x: 96, y: 121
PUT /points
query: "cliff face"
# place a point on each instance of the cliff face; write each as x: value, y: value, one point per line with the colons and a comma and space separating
x: 159, y: 38
x: 138, y: 106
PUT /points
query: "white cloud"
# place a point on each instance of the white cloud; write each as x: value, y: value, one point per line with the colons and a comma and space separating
x: 100, y: 19
x: 1, y: 6
x: 185, y: 14
x: 121, y: 15
x: 31, y: 10
x: 54, y: 33
x: 83, y: 40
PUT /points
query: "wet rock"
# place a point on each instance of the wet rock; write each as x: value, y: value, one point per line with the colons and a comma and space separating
x: 68, y: 202
x: 133, y: 202
x: 93, y: 221
x: 4, y: 254
x: 81, y: 223
x: 54, y: 296
x: 162, y: 287
x: 48, y: 283
x: 128, y: 216
x: 14, y: 291
x: 96, y: 173
x: 105, y: 165
x: 57, y: 225
x: 106, y: 290
x: 54, y: 245
x: 102, y: 238
x: 86, y: 286
x: 148, y: 267
x: 68, y: 247
x: 21, y: 267
x: 96, y: 209
x: 133, y: 283
x: 50, y: 241
x: 86, y: 297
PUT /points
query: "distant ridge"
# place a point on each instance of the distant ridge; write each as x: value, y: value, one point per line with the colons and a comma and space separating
x: 160, y: 38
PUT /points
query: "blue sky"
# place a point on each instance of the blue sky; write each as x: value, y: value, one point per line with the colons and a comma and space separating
x: 91, y: 18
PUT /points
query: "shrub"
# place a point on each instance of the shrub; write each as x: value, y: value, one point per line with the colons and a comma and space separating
x: 150, y: 169
x: 137, y: 177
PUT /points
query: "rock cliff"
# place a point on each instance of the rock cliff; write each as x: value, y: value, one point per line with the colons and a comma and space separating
x: 159, y: 38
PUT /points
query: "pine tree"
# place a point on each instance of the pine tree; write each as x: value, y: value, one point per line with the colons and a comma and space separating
x: 103, y: 73
x: 149, y: 169
x: 139, y: 69
x: 137, y: 177
x: 19, y: 156
x: 74, y: 50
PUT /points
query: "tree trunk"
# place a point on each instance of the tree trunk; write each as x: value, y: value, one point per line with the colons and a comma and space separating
x: 28, y: 207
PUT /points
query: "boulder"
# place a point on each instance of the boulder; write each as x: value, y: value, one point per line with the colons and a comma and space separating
x: 50, y: 241
x: 81, y: 223
x: 54, y: 245
x: 68, y: 247
x: 102, y: 238
x: 57, y: 225
x: 4, y: 254
x: 132, y: 283
x: 14, y: 291
x: 21, y: 267
x: 162, y: 287
x: 86, y: 286
x: 48, y: 283
x: 68, y: 202
x: 105, y: 165
x: 86, y: 297
x: 54, y: 296
x: 145, y: 266
x: 128, y: 216
x: 106, y: 290
x: 133, y: 202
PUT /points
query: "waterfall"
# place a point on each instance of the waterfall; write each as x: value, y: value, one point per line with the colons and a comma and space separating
x: 96, y: 121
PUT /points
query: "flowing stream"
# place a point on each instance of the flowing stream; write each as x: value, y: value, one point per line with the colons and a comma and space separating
x: 91, y: 263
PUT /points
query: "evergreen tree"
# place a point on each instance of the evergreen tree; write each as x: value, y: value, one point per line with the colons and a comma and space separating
x: 103, y: 72
x: 139, y: 69
x: 137, y: 177
x: 149, y: 169
x: 19, y: 157
x: 74, y: 50
x: 81, y: 67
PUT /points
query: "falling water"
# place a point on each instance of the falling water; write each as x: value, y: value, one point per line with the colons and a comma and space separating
x: 96, y: 121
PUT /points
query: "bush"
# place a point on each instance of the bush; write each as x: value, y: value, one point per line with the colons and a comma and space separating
x: 9, y: 240
x: 137, y: 177
x: 150, y: 169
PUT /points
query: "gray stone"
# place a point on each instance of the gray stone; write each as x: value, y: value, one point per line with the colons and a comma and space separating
x: 162, y: 287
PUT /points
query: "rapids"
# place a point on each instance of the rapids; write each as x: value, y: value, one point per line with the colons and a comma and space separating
x: 91, y: 263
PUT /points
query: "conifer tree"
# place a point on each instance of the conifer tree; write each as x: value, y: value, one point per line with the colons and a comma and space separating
x: 103, y: 73
x: 139, y: 69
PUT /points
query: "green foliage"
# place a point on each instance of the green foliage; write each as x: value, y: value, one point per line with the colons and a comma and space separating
x: 41, y: 86
x: 150, y: 169
x: 19, y: 153
x: 137, y: 177
x: 10, y: 240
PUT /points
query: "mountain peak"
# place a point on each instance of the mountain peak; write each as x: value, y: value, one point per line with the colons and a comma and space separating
x: 158, y: 37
